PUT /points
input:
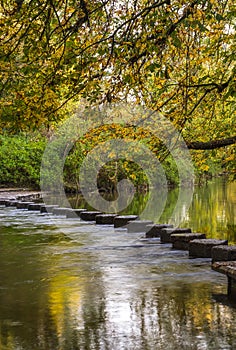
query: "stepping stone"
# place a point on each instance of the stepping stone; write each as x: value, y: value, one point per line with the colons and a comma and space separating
x: 11, y: 203
x: 155, y: 229
x: 165, y: 233
x: 23, y: 205
x: 138, y: 225
x: 34, y: 206
x: 30, y: 197
x: 89, y: 215
x: 61, y: 211
x: 122, y: 220
x: 181, y: 240
x: 223, y: 253
x: 228, y: 268
x: 43, y: 208
x: 75, y: 213
x: 105, y: 219
x: 48, y: 208
x: 201, y: 248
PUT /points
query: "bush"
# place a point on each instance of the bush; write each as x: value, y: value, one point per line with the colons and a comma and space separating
x: 20, y: 160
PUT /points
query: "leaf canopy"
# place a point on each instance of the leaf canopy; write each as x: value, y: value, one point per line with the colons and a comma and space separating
x: 174, y: 56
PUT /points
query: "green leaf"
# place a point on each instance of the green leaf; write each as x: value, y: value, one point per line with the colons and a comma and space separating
x: 176, y: 41
x: 219, y: 17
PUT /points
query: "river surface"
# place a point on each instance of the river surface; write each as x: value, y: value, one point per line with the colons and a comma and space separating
x: 72, y: 285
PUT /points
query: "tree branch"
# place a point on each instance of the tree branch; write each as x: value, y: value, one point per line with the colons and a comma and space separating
x: 212, y: 144
x: 161, y: 40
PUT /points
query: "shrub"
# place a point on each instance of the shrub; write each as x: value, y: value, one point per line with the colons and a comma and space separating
x: 20, y: 160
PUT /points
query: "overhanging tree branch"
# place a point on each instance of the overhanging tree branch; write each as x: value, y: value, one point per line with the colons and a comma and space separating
x: 212, y: 144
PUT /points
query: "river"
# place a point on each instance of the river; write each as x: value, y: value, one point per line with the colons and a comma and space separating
x: 72, y: 285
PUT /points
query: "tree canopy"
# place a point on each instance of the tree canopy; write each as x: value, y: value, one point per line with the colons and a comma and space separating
x: 176, y: 57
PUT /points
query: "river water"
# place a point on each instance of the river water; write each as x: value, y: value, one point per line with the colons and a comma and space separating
x: 72, y: 285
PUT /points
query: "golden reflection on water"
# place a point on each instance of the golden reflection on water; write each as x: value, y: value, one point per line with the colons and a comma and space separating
x: 212, y: 210
x: 62, y: 293
x: 112, y: 290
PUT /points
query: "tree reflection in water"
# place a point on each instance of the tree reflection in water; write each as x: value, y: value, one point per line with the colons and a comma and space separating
x: 106, y: 290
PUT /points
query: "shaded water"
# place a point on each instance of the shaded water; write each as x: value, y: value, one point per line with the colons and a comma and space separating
x: 66, y: 284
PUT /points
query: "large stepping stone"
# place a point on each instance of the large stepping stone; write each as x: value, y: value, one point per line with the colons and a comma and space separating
x: 229, y: 269
x: 201, y: 248
x: 165, y: 233
x: 154, y: 230
x: 223, y: 253
x: 23, y: 205
x: 48, y: 208
x: 89, y: 215
x: 138, y: 225
x: 34, y: 206
x: 75, y: 213
x: 181, y: 240
x: 122, y: 220
x: 105, y: 219
x: 61, y: 211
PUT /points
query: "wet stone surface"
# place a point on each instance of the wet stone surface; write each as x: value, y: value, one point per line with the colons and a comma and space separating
x: 122, y: 220
x: 89, y: 215
x: 23, y: 205
x: 11, y: 203
x: 201, y: 248
x: 224, y: 253
x: 226, y: 267
x: 154, y: 230
x: 181, y: 240
x: 34, y: 206
x: 166, y: 233
x: 105, y: 219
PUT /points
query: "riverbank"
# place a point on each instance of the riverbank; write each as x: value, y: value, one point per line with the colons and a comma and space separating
x: 19, y: 193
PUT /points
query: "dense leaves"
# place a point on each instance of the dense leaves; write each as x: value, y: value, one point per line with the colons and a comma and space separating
x: 20, y: 159
x: 162, y: 51
x: 175, y: 57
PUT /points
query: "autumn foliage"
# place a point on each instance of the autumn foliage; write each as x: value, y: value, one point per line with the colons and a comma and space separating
x: 175, y: 57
